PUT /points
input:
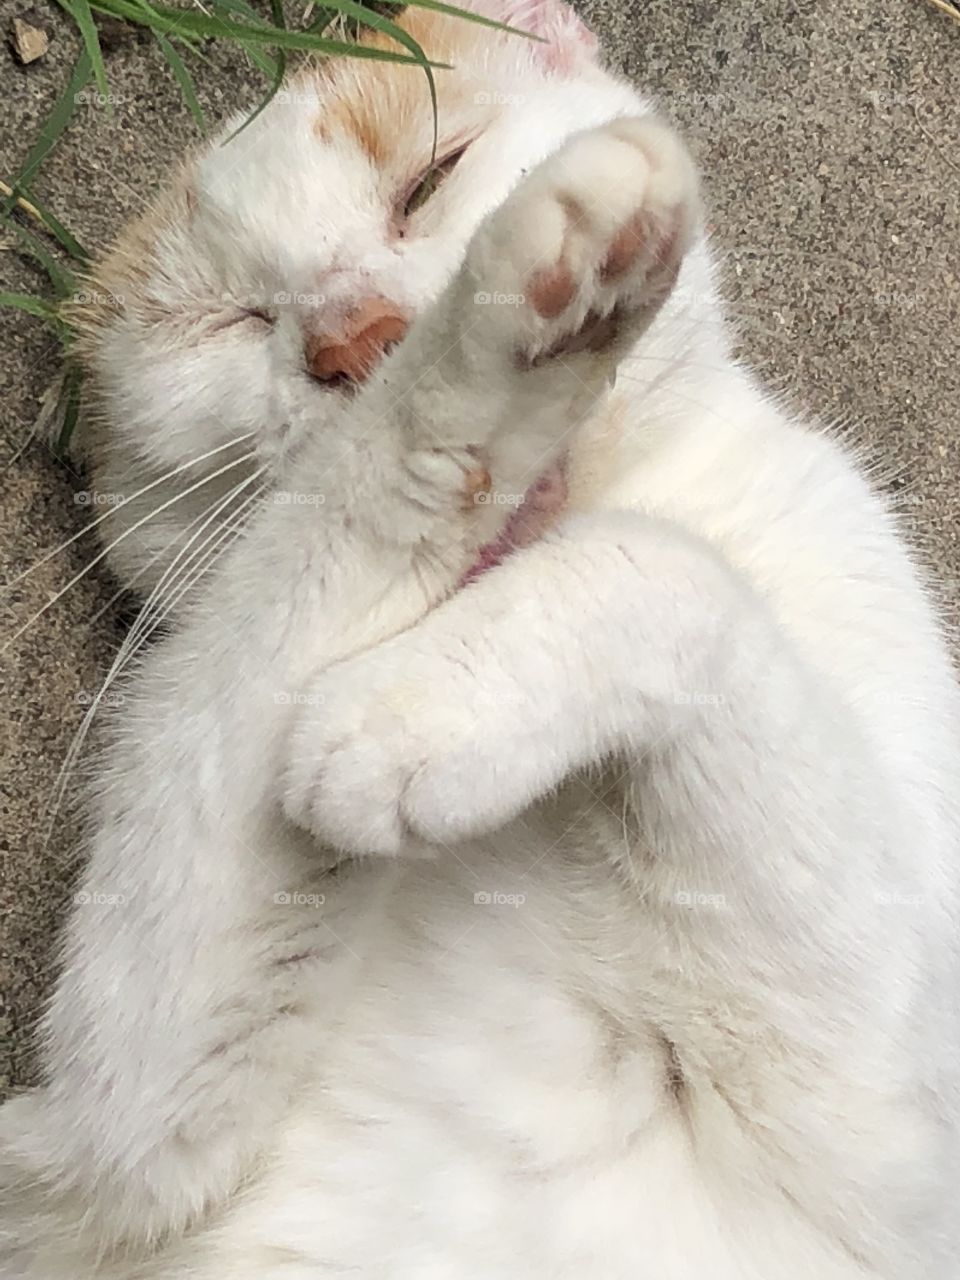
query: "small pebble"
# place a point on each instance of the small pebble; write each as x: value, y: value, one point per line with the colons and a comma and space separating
x: 29, y: 42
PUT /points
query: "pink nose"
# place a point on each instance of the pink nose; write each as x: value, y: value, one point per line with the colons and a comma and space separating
x: 354, y: 350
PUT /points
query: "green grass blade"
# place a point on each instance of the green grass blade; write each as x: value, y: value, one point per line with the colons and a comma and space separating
x: 56, y: 228
x: 64, y: 282
x: 138, y: 12
x: 194, y: 49
x: 276, y: 80
x: 143, y: 5
x: 262, y: 61
x: 176, y: 21
x: 437, y: 6
x: 187, y: 41
x: 70, y: 399
x: 79, y: 11
x: 238, y: 6
x: 170, y: 25
x: 141, y: 15
x: 183, y: 78
x: 31, y: 305
x: 55, y: 124
x: 189, y: 23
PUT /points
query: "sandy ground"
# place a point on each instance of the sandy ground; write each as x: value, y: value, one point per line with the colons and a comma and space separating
x: 829, y: 137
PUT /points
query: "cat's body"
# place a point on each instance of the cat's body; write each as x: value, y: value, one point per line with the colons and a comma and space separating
x: 672, y: 991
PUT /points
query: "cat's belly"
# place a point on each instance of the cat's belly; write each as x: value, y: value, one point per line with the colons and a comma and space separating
x: 408, y: 1202
x: 483, y: 1114
x: 388, y: 1184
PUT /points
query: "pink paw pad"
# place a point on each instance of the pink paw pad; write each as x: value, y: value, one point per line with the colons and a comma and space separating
x: 552, y: 290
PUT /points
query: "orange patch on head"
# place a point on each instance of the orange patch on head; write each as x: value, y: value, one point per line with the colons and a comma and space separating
x: 382, y: 107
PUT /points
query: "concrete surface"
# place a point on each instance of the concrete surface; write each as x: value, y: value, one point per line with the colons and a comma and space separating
x: 829, y: 135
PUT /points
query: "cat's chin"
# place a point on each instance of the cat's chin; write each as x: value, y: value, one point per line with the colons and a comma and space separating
x: 532, y: 514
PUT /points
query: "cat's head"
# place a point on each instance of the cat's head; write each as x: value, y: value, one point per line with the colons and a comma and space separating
x: 279, y: 265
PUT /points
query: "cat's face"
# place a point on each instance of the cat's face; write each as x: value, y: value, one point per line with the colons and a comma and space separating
x: 280, y: 266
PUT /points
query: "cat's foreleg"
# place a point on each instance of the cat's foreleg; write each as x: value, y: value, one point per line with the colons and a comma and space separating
x: 617, y: 636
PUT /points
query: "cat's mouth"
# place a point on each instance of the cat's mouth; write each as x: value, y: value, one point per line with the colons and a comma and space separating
x: 532, y: 514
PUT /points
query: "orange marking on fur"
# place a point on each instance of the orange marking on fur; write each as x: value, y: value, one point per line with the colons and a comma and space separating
x: 361, y: 118
x: 474, y: 483
x: 381, y: 105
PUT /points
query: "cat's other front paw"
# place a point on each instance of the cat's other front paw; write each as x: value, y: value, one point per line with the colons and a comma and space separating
x: 366, y: 731
x: 411, y: 747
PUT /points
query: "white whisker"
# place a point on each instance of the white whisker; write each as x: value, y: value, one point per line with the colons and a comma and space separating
x: 183, y: 466
x: 140, y: 633
x: 179, y: 564
x: 125, y: 589
x: 219, y: 544
x: 126, y: 534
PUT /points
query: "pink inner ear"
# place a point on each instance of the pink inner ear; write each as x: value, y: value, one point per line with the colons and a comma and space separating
x: 567, y: 35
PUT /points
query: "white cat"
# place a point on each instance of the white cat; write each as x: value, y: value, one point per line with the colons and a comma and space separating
x: 652, y: 968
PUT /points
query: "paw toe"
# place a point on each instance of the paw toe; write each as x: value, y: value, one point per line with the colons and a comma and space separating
x: 552, y: 290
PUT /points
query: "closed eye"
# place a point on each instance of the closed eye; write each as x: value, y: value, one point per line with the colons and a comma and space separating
x: 242, y: 315
x: 428, y: 183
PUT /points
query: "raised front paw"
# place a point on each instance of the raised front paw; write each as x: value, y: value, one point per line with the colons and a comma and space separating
x: 580, y: 257
x: 557, y: 285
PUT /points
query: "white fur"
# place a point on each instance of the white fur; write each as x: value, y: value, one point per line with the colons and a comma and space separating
x: 653, y: 969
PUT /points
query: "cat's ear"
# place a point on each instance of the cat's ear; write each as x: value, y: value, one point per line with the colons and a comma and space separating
x: 567, y: 40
